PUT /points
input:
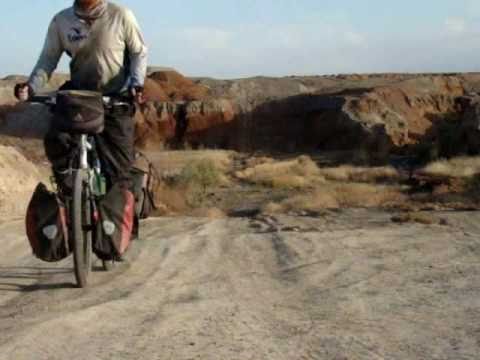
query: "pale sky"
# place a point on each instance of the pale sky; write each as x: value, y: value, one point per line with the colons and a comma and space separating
x: 238, y: 38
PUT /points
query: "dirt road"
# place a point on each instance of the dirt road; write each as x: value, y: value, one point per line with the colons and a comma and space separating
x: 347, y: 285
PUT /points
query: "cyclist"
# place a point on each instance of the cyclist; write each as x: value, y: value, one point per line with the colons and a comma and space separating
x: 108, y: 55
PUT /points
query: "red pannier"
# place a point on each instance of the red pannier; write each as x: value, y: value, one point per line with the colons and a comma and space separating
x: 46, y: 225
x: 117, y: 211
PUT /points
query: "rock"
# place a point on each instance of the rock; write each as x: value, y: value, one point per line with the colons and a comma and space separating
x: 466, y: 134
x: 18, y: 178
x: 370, y: 115
x: 178, y: 122
x: 154, y: 92
x: 179, y: 88
x: 8, y: 83
x: 29, y: 120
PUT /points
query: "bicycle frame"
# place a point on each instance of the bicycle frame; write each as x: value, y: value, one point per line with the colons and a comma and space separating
x: 85, y: 147
x: 89, y: 186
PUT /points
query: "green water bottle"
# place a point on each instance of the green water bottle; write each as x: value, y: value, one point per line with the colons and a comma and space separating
x: 100, y: 184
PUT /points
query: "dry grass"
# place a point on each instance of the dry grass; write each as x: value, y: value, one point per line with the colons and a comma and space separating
x: 171, y: 199
x: 299, y: 173
x: 326, y: 188
x: 172, y: 162
x: 416, y: 217
x: 360, y: 174
x: 366, y: 195
x: 186, y: 176
x: 210, y: 213
x: 341, y: 195
x: 185, y: 186
x: 255, y: 161
x: 303, y: 172
x: 461, y: 167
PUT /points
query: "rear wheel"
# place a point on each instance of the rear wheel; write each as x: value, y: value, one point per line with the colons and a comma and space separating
x: 81, y: 220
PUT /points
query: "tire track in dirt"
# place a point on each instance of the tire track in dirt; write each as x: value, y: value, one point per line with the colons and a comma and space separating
x: 292, y: 288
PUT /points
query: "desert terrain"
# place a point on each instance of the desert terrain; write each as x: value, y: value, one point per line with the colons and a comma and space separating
x: 323, y: 217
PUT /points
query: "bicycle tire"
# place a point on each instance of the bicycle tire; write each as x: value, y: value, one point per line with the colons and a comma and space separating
x: 82, y: 235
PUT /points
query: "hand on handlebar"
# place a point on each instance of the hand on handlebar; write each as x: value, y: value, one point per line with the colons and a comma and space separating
x: 137, y: 94
x: 23, y: 91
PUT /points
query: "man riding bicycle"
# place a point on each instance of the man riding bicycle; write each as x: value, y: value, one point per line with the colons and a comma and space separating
x: 108, y: 55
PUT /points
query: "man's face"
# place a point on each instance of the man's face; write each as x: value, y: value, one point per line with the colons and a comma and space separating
x: 87, y: 4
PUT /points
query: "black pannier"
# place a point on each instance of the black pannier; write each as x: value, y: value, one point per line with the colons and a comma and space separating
x: 47, y: 227
x: 79, y: 112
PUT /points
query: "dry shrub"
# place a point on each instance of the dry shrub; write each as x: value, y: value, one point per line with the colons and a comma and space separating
x: 188, y: 188
x: 210, y: 213
x: 334, y: 196
x: 320, y: 199
x: 255, y: 161
x: 187, y: 176
x: 174, y: 199
x: 298, y: 173
x: 415, y: 217
x: 273, y: 208
x: 181, y: 199
x: 202, y: 173
x: 461, y: 167
x: 289, y: 181
x: 366, y: 195
x: 360, y: 174
x: 172, y: 162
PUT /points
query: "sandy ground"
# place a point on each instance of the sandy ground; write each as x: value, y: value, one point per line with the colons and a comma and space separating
x: 346, y: 285
x: 18, y: 179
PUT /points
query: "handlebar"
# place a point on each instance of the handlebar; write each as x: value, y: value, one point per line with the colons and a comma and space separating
x: 109, y: 102
x: 43, y: 99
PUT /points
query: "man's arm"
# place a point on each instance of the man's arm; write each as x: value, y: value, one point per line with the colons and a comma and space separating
x: 137, y: 50
x: 49, y: 58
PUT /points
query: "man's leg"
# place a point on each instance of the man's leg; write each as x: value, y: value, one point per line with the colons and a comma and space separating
x: 58, y: 147
x: 116, y: 147
x: 117, y: 151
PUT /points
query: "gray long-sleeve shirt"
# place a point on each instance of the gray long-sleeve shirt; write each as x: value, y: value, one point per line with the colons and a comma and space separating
x: 108, y: 55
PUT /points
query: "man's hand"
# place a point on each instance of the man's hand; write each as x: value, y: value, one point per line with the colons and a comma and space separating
x: 137, y: 94
x: 23, y: 91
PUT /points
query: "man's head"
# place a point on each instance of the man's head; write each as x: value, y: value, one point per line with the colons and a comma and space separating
x: 87, y: 4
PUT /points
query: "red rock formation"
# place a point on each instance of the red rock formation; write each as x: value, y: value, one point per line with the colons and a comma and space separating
x: 377, y: 113
x: 176, y: 87
x: 408, y: 110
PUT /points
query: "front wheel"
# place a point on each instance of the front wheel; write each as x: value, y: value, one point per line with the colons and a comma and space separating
x: 81, y: 220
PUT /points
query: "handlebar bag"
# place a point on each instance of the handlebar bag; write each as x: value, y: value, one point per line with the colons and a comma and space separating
x: 46, y: 225
x: 79, y: 112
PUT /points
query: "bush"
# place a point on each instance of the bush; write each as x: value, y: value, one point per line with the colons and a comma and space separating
x: 201, y: 173
x: 196, y: 178
x: 298, y: 173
